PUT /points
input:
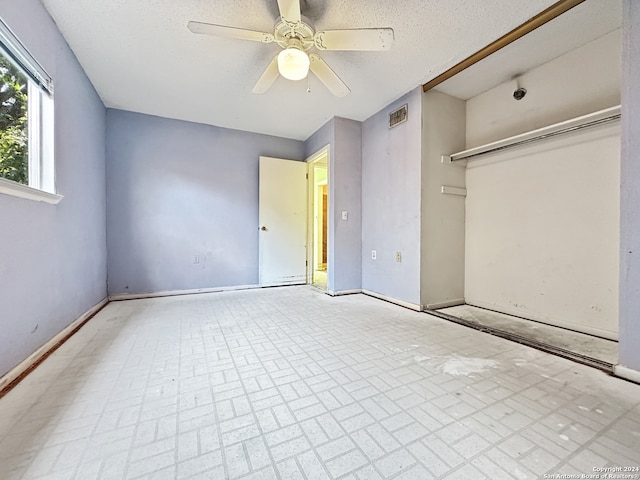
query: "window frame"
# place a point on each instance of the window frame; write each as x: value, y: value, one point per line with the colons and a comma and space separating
x: 40, y: 115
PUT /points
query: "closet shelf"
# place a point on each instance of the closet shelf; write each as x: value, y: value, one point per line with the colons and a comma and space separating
x: 596, y: 118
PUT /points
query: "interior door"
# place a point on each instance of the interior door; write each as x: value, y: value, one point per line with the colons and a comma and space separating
x: 283, y: 222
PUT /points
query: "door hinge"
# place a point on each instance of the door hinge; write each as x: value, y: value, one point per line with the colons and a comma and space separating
x: 307, y: 175
x: 306, y: 263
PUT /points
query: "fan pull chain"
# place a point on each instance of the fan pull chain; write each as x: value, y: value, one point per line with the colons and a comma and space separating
x: 308, y: 83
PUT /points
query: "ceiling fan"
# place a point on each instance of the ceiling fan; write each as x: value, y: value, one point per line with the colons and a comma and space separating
x: 296, y: 36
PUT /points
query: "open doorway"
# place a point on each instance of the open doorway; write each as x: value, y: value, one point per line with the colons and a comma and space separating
x: 318, y: 253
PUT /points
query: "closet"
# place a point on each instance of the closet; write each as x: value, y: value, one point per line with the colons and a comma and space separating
x: 521, y: 175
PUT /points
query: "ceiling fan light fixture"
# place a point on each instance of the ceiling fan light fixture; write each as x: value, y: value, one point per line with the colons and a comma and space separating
x: 293, y: 63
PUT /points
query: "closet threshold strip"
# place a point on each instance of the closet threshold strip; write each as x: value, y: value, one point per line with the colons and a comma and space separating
x: 545, y: 347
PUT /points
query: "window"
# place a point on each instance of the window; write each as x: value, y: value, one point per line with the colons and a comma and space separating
x: 26, y: 123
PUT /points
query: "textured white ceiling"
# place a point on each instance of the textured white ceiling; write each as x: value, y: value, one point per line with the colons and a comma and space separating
x: 141, y: 57
x: 576, y: 27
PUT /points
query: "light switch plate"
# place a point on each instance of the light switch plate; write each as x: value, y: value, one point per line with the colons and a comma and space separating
x: 345, y: 214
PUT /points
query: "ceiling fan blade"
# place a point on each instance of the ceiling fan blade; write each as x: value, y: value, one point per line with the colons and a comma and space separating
x: 229, y: 32
x: 355, y: 39
x: 290, y: 10
x: 268, y: 77
x: 327, y: 76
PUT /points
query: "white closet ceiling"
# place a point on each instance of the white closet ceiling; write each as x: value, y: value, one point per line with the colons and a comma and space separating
x: 141, y: 56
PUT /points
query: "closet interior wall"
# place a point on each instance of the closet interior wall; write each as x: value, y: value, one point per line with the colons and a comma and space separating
x: 541, y: 221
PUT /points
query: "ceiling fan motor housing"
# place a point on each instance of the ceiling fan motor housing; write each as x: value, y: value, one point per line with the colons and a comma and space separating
x: 286, y: 32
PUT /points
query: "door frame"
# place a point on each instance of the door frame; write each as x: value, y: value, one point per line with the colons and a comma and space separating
x: 311, y: 160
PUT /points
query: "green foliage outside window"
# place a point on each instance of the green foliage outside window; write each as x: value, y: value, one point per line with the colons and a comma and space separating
x: 14, y: 163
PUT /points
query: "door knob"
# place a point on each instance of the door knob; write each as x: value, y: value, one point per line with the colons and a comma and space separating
x: 263, y: 228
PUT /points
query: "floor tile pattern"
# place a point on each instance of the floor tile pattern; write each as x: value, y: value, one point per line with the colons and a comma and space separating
x: 289, y: 383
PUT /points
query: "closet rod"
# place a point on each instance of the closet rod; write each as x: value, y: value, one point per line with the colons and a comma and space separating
x: 592, y: 119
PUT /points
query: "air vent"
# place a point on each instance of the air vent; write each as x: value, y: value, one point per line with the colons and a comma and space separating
x: 398, y: 116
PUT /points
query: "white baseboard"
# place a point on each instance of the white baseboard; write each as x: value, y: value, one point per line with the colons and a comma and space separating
x: 556, y: 323
x: 402, y: 303
x: 289, y: 283
x: 448, y: 303
x: 626, y: 373
x: 343, y: 292
x: 172, y: 293
x: 23, y: 366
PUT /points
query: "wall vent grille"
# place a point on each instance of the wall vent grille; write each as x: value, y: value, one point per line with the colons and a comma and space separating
x: 398, y: 116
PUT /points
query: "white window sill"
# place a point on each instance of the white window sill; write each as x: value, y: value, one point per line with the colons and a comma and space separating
x: 23, y: 191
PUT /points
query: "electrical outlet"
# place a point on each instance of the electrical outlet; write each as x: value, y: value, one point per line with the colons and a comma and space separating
x: 373, y: 254
x: 196, y: 259
x: 398, y: 257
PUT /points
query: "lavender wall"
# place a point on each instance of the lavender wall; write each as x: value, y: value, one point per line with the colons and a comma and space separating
x: 53, y: 262
x: 630, y: 193
x: 391, y: 198
x: 346, y: 195
x: 322, y: 137
x: 177, y: 190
